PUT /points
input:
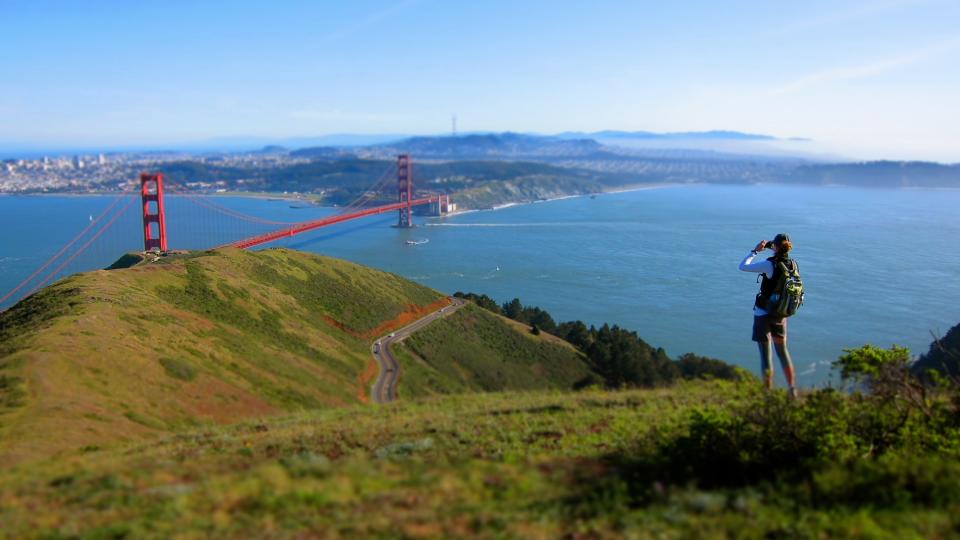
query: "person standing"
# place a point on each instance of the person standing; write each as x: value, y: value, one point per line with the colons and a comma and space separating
x: 765, y: 324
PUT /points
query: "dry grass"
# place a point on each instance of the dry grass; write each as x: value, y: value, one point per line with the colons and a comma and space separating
x: 204, y: 339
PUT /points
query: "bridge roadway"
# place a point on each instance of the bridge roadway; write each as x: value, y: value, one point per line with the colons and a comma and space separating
x: 247, y: 243
x: 385, y: 387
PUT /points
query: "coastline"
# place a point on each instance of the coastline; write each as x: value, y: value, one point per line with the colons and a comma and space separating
x: 622, y: 189
x: 242, y: 194
x: 316, y: 200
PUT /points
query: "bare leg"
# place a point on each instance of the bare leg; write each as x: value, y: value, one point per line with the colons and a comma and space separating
x: 784, y: 354
x: 766, y: 363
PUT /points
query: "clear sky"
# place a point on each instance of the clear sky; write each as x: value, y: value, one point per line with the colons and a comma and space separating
x: 878, y: 78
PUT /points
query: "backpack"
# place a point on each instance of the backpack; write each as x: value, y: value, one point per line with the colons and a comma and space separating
x: 787, y: 295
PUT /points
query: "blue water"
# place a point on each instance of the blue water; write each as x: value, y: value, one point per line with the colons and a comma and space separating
x: 880, y: 266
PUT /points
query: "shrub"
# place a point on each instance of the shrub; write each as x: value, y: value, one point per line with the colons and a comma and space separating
x: 179, y: 369
x: 693, y: 366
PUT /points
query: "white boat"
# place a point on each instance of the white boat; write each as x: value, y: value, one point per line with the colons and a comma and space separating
x: 417, y: 242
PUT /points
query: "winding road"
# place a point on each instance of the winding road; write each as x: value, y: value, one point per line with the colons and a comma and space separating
x: 385, y: 387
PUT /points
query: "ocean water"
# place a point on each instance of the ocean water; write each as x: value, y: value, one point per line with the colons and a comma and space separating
x: 880, y: 266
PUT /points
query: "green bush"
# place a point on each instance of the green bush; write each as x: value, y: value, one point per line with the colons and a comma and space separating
x: 893, y: 446
x: 179, y: 369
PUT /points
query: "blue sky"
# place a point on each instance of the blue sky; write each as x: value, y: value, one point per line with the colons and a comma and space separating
x: 863, y: 78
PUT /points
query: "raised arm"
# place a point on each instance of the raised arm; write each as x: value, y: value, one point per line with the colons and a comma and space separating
x: 762, y: 266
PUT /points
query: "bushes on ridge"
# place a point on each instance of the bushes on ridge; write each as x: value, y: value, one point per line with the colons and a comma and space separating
x: 876, y: 447
x: 619, y: 356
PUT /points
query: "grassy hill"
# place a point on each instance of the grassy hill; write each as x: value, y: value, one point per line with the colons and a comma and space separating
x: 222, y: 394
x: 697, y: 460
x: 475, y: 350
x: 482, y: 465
x: 200, y: 338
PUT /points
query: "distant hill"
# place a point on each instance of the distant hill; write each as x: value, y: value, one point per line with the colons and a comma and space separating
x: 485, y: 170
x: 600, y: 144
x: 219, y: 336
x: 716, y: 134
x: 879, y: 174
x: 342, y: 177
x: 476, y: 184
x: 727, y: 144
x: 494, y: 145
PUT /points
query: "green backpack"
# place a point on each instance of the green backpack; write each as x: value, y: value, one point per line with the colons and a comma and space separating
x: 787, y: 294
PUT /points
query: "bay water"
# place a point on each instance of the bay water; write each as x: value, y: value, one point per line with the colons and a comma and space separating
x: 880, y: 266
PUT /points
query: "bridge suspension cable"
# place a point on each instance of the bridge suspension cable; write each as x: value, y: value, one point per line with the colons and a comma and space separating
x: 64, y: 249
x: 216, y: 207
x: 372, y: 191
x: 84, y: 246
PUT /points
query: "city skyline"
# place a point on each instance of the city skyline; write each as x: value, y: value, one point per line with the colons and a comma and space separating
x: 865, y: 80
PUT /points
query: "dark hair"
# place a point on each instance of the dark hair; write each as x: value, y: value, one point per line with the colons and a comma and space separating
x: 784, y: 247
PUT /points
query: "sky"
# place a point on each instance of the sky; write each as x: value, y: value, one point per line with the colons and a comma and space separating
x: 864, y: 79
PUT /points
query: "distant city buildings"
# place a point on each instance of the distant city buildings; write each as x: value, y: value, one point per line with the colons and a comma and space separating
x: 98, y: 173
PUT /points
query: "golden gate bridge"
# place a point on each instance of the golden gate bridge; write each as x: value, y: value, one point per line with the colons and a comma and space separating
x: 216, y: 221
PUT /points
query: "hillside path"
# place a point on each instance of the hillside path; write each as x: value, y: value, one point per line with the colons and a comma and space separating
x: 385, y: 387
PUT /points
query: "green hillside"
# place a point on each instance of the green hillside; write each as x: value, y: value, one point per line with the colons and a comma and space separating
x: 200, y: 338
x: 225, y: 394
x: 475, y: 350
x: 696, y: 460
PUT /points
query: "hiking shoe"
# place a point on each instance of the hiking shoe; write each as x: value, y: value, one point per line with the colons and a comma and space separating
x: 793, y: 393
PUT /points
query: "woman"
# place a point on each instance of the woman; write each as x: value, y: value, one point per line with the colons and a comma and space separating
x: 764, y: 324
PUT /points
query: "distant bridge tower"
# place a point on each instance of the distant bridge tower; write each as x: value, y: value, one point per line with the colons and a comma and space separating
x: 405, y: 190
x: 151, y: 191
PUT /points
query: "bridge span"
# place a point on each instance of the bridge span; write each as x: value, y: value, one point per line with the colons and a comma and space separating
x: 247, y: 243
x: 154, y: 220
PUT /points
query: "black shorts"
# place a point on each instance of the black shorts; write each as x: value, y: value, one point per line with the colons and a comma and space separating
x: 764, y: 325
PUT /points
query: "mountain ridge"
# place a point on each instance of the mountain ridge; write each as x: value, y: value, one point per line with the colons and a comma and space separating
x: 211, y: 337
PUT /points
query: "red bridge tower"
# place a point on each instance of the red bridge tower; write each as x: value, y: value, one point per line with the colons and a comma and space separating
x: 151, y: 191
x: 405, y: 190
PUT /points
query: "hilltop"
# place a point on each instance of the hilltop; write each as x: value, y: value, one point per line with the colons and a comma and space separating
x: 212, y: 337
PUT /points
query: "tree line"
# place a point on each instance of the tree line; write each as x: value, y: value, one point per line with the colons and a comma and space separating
x: 617, y: 356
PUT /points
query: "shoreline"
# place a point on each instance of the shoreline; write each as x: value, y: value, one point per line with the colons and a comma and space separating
x: 239, y: 194
x: 625, y: 189
x: 315, y: 200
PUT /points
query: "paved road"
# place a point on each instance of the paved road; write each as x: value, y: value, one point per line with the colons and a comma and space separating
x: 385, y: 387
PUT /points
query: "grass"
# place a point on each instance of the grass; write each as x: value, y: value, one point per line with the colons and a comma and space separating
x: 204, y: 338
x: 475, y: 350
x: 457, y: 466
x: 200, y: 337
x: 501, y: 465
